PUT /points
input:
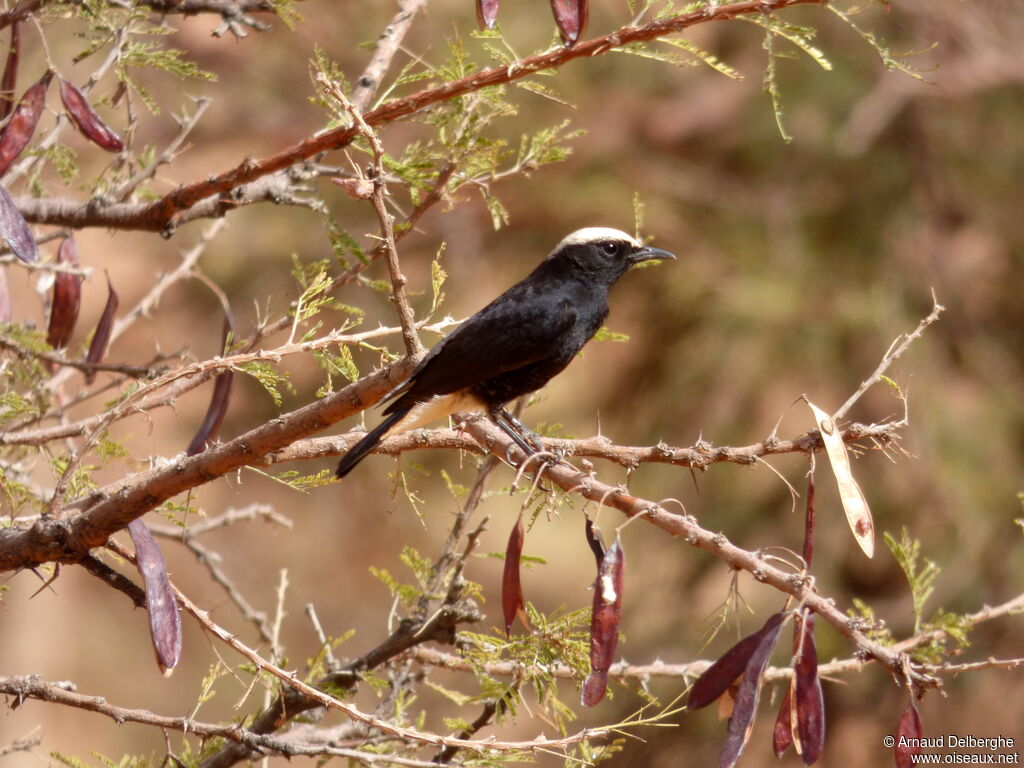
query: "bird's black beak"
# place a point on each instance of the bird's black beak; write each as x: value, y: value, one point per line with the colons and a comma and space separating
x: 650, y: 254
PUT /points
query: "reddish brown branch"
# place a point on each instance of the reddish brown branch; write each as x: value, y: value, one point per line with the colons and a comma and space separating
x: 175, y: 208
x: 685, y: 527
x: 699, y: 456
x: 105, y: 511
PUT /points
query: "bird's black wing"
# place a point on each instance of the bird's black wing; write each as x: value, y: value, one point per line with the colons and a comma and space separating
x: 520, y: 327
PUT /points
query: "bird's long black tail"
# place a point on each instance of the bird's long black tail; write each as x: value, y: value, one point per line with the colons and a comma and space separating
x: 359, y: 451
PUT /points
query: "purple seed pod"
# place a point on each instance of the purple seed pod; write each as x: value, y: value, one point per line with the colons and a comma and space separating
x: 164, y: 620
x: 85, y: 118
x: 67, y: 298
x: 18, y: 132
x: 605, y: 618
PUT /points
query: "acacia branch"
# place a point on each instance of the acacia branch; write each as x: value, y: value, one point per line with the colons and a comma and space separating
x: 384, y: 52
x: 699, y: 456
x: 413, y: 345
x: 33, y: 687
x: 685, y: 527
x: 174, y: 208
x: 107, y: 510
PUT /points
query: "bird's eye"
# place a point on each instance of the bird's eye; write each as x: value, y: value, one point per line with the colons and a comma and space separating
x: 610, y: 247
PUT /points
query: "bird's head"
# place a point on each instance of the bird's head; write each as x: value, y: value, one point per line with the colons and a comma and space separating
x: 604, y: 253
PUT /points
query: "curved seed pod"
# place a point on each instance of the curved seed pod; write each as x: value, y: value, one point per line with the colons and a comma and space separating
x: 742, y: 721
x: 487, y: 13
x: 10, y: 78
x: 808, y: 717
x: 18, y: 132
x: 14, y: 230
x: 100, y: 339
x: 571, y: 18
x: 511, y: 585
x: 594, y: 540
x: 85, y: 118
x: 218, y: 407
x: 782, y: 733
x: 605, y: 618
x: 67, y: 298
x: 719, y: 676
x: 908, y: 735
x: 164, y: 620
x: 809, y: 523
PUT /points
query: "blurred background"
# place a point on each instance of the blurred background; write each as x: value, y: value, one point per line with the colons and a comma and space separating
x: 799, y: 264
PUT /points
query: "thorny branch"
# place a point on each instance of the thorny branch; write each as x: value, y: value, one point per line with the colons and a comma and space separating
x: 177, y: 207
x: 689, y: 670
x: 413, y: 345
x: 699, y: 456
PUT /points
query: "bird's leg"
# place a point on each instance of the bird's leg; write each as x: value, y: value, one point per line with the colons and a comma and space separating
x: 501, y: 417
x: 528, y: 434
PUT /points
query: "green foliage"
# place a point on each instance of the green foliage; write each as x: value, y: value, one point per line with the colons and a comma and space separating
x: 604, y: 334
x: 920, y: 574
x: 342, y: 363
x: 408, y: 593
x: 343, y: 244
x: 873, y: 628
x: 269, y: 377
x: 305, y: 483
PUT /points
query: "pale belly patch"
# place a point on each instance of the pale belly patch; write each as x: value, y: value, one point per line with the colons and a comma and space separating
x: 438, y: 407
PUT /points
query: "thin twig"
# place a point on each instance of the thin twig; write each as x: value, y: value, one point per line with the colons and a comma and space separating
x: 898, y: 348
x: 413, y: 345
x: 165, y: 214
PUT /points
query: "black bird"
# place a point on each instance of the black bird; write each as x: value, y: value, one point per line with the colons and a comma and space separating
x: 515, y: 344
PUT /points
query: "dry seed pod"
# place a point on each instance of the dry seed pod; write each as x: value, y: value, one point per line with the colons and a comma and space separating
x: 719, y: 676
x: 809, y: 702
x: 741, y: 723
x: 487, y: 13
x: 14, y: 230
x: 594, y: 540
x: 908, y: 735
x: 571, y: 18
x: 10, y: 78
x: 85, y: 118
x: 782, y: 733
x: 164, y: 620
x: 220, y: 400
x: 18, y: 132
x: 67, y: 298
x: 100, y: 339
x: 605, y: 618
x: 511, y: 586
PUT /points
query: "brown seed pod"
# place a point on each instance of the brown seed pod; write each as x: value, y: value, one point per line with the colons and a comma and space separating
x: 487, y: 13
x: 10, y: 78
x: 100, y: 339
x: 218, y: 407
x: 18, y: 132
x: 85, y: 118
x: 808, y: 698
x: 67, y: 298
x: 782, y: 733
x: 605, y: 618
x: 741, y: 723
x: 14, y: 230
x: 909, y: 732
x: 719, y: 676
x: 164, y: 620
x: 511, y: 585
x: 571, y: 18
